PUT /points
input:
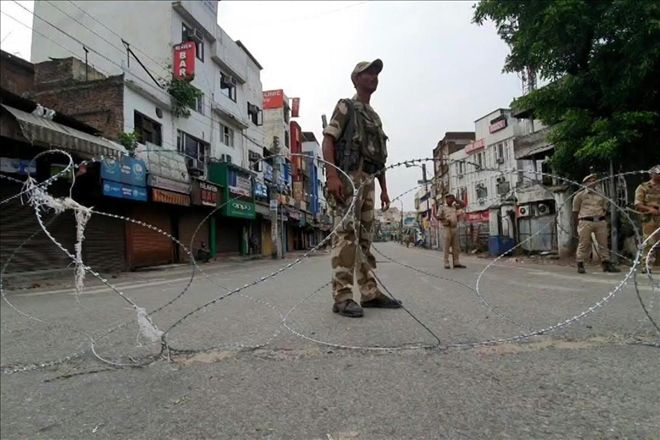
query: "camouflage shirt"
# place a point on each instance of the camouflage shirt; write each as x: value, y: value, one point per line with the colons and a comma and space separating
x: 367, y: 123
x: 647, y: 194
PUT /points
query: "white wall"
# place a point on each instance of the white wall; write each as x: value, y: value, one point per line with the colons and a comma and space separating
x: 152, y: 29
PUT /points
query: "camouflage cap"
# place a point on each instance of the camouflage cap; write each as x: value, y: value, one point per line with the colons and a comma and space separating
x: 592, y: 176
x: 449, y: 195
x: 655, y: 170
x: 364, y: 65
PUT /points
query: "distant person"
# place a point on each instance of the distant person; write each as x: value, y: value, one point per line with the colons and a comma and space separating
x: 203, y: 253
x: 589, y: 212
x: 355, y: 142
x: 647, y: 201
x: 447, y: 215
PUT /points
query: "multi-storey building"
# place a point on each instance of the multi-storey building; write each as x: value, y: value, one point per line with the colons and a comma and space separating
x: 189, y: 94
x: 448, y: 145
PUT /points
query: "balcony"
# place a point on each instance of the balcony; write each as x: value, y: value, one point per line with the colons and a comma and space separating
x: 202, y: 15
x: 230, y: 109
x: 533, y: 144
x: 229, y: 56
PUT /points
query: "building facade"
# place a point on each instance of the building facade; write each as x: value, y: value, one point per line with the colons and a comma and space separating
x: 155, y: 66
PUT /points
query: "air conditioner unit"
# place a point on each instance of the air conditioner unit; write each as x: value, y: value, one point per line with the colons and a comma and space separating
x: 253, y: 157
x: 460, y: 175
x: 544, y: 209
x: 500, y: 160
x: 227, y: 82
x: 524, y: 211
x: 195, y: 35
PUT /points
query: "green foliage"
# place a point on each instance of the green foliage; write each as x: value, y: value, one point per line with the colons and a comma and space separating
x: 602, y: 59
x: 184, y: 96
x: 129, y: 141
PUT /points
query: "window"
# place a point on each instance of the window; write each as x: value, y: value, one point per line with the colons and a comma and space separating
x: 500, y: 152
x: 481, y: 190
x: 147, y: 129
x: 256, y: 114
x: 480, y: 160
x: 191, y: 34
x: 194, y: 149
x: 200, y: 105
x: 286, y: 114
x: 286, y: 139
x: 228, y: 86
x: 461, y: 167
x: 227, y: 136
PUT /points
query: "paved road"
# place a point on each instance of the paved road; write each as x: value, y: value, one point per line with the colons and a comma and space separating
x: 587, y: 380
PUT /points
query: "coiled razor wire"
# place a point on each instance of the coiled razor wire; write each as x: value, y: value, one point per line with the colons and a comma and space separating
x: 39, y: 197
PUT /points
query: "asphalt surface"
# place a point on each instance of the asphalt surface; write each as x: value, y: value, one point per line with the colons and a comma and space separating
x: 324, y: 376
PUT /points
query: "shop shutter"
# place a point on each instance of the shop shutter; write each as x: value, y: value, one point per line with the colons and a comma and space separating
x: 228, y: 236
x: 104, y: 248
x: 188, y: 223
x: 18, y: 222
x: 146, y: 246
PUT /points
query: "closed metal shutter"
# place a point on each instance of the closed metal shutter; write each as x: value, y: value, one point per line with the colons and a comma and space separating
x: 18, y: 222
x: 266, y: 238
x: 228, y: 236
x: 104, y: 248
x: 147, y: 247
x: 188, y: 223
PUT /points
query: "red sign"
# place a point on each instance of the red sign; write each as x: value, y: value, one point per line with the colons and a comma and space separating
x: 475, y: 146
x: 295, y: 107
x: 184, y: 60
x: 499, y: 125
x: 481, y: 216
x: 273, y: 99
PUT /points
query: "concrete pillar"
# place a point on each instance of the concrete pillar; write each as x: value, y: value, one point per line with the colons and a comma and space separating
x: 564, y: 223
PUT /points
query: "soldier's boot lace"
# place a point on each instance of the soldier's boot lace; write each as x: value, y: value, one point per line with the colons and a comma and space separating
x: 348, y: 308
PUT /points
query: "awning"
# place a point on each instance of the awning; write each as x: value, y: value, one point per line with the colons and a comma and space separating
x: 36, y: 128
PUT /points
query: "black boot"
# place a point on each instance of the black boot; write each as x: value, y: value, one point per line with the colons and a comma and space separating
x: 581, y: 268
x: 348, y: 308
x: 382, y: 302
x: 609, y: 267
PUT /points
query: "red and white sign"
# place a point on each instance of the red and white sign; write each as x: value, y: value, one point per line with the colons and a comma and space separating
x: 499, y: 125
x: 295, y: 107
x: 273, y: 99
x: 480, y: 216
x: 475, y: 146
x: 184, y: 60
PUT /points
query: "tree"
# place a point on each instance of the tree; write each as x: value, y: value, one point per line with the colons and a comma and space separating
x: 602, y: 61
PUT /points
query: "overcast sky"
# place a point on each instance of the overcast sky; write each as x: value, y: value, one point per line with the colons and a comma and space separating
x: 441, y: 72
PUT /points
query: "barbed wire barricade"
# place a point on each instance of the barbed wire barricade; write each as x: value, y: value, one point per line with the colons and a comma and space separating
x: 36, y: 195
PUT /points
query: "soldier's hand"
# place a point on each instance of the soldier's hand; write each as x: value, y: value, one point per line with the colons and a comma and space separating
x: 336, y: 188
x: 384, y: 200
x: 654, y: 212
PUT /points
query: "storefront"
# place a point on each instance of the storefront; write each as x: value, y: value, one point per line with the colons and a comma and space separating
x: 197, y: 225
x: 124, y: 189
x: 235, y: 223
x: 170, y: 202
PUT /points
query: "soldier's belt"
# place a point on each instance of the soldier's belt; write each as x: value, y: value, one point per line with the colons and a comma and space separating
x: 593, y: 219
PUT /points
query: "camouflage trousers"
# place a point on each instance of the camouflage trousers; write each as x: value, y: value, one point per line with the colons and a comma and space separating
x: 649, y: 229
x: 351, y: 255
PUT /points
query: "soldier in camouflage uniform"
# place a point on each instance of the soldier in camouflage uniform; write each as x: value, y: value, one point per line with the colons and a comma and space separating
x: 355, y: 142
x: 647, y: 201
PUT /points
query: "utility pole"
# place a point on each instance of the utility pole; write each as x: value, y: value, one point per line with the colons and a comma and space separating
x: 274, y: 201
x: 613, y: 217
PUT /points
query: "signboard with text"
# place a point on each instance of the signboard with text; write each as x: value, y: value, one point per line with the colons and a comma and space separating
x: 127, y: 170
x: 240, y: 209
x: 497, y: 126
x: 295, y: 107
x: 239, y: 184
x: 184, y: 60
x: 475, y: 146
x: 171, y: 198
x: 273, y: 99
x: 123, y: 191
x: 205, y: 194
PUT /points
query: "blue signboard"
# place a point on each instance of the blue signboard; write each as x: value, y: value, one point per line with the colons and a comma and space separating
x: 122, y: 191
x: 128, y: 170
x: 268, y: 172
x: 260, y: 190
